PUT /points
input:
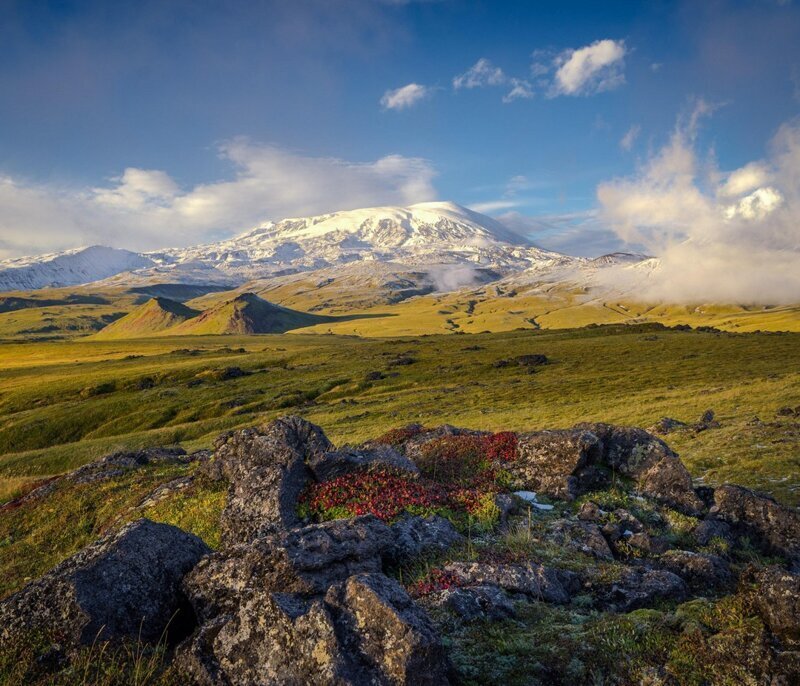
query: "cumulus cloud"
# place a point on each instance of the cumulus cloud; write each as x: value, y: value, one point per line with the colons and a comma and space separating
x: 627, y: 141
x: 591, y: 69
x: 482, y: 73
x: 721, y: 237
x: 146, y: 209
x: 406, y: 96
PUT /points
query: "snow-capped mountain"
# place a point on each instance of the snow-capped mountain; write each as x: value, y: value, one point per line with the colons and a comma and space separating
x: 437, y: 237
x: 68, y: 268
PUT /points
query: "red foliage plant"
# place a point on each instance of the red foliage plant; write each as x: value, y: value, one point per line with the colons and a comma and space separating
x: 401, y: 435
x: 435, y: 580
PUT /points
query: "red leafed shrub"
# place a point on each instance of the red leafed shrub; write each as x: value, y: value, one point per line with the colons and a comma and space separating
x: 401, y: 435
x: 435, y: 580
x: 466, y: 459
x: 382, y: 494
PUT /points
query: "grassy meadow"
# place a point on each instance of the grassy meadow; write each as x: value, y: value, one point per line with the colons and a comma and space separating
x: 63, y: 403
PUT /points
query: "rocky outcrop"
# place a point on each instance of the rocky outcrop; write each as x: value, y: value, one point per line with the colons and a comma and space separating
x: 531, y: 579
x: 472, y: 603
x: 365, y: 630
x: 702, y: 572
x: 329, y: 465
x: 566, y: 463
x: 307, y: 560
x: 415, y: 536
x: 583, y: 536
x: 556, y: 462
x: 267, y: 471
x: 768, y: 523
x: 125, y: 585
x: 641, y: 587
x: 777, y: 597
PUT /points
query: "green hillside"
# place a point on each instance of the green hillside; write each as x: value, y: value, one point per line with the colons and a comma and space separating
x: 154, y: 316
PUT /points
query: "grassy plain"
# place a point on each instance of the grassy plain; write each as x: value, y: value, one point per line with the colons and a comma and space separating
x: 64, y: 403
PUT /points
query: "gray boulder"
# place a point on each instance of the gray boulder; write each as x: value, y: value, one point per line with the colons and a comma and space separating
x: 306, y: 560
x: 655, y: 468
x: 776, y: 527
x: 531, y: 579
x: 777, y: 599
x: 363, y: 631
x: 640, y: 587
x: 552, y: 462
x: 326, y: 466
x: 125, y: 585
x: 703, y: 573
x: 415, y: 536
x: 583, y: 536
x: 472, y: 603
x: 709, y: 529
x: 267, y: 471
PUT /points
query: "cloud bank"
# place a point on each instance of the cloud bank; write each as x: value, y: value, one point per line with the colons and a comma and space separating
x: 146, y: 209
x: 730, y: 237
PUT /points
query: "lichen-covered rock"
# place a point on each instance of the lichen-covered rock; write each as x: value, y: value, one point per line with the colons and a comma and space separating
x: 307, y: 560
x: 774, y: 526
x: 655, y: 468
x: 702, y: 572
x: 582, y: 536
x: 472, y: 603
x: 777, y: 599
x: 415, y: 536
x: 267, y: 471
x: 640, y: 587
x: 125, y: 585
x: 116, y: 464
x: 710, y: 529
x: 531, y: 579
x: 365, y: 630
x: 551, y: 461
x: 329, y: 465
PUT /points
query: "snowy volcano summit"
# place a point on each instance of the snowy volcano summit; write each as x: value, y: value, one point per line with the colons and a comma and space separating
x: 418, y: 236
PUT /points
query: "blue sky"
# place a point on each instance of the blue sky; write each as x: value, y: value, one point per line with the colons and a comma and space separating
x: 163, y: 123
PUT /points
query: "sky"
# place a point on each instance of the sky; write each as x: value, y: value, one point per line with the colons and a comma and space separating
x: 587, y: 127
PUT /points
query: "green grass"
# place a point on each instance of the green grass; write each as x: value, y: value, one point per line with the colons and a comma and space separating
x: 65, y: 403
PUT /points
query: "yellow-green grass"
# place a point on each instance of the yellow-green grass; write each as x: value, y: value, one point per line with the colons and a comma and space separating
x: 65, y: 403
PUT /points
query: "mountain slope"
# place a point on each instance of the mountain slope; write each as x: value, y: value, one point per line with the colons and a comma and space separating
x: 156, y: 315
x: 247, y: 314
x: 70, y: 268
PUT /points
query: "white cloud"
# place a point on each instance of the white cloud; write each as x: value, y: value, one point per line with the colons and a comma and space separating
x: 146, y: 209
x: 591, y: 69
x: 745, y: 179
x: 519, y: 89
x: 406, y: 96
x: 712, y: 249
x: 482, y: 73
x: 627, y: 141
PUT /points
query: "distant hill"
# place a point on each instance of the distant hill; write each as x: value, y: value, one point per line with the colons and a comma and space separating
x: 156, y: 315
x: 247, y: 314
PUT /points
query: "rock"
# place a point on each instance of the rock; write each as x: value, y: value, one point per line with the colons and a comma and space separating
x: 473, y: 603
x: 785, y: 412
x: 415, y: 536
x: 413, y: 445
x: 125, y: 585
x: 534, y: 580
x: 116, y: 464
x: 706, y: 421
x: 774, y: 526
x: 621, y: 524
x: 639, y: 587
x: 777, y: 600
x: 535, y: 360
x: 267, y: 471
x: 709, y: 529
x: 591, y: 512
x: 651, y: 463
x: 700, y: 571
x: 329, y: 465
x: 506, y: 504
x: 582, y: 536
x: 549, y: 461
x: 666, y: 425
x: 166, y: 490
x: 306, y: 560
x: 365, y: 630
